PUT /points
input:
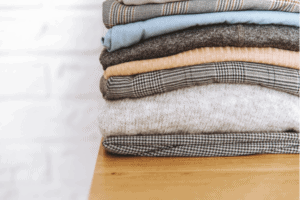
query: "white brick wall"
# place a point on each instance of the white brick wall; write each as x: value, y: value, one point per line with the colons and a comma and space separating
x: 49, y: 97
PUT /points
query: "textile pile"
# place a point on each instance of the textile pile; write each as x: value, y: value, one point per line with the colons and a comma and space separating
x: 200, y: 77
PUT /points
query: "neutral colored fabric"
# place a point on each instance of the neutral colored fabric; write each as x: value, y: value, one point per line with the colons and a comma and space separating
x: 115, y: 13
x: 204, y: 55
x: 129, y: 34
x: 151, y: 83
x: 241, y: 35
x: 214, y: 108
x: 228, y: 144
x: 141, y: 2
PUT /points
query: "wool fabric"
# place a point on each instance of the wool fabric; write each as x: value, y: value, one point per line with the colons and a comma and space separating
x: 270, y: 56
x: 129, y: 34
x: 160, y: 81
x: 226, y: 144
x: 115, y: 13
x: 141, y: 2
x: 241, y: 35
x: 214, y: 108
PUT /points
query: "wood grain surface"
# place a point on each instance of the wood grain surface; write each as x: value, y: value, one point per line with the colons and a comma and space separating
x: 266, y: 177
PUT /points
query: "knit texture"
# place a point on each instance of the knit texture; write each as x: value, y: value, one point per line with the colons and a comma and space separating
x: 141, y: 2
x: 228, y: 144
x: 214, y: 108
x: 270, y: 56
x: 130, y: 34
x: 242, y: 35
x: 115, y: 13
x: 150, y: 83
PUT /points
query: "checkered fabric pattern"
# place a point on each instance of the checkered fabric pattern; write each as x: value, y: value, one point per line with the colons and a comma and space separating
x: 226, y: 144
x: 115, y: 13
x: 146, y: 84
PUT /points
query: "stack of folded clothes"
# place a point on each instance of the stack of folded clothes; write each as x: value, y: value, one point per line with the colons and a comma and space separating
x: 200, y: 77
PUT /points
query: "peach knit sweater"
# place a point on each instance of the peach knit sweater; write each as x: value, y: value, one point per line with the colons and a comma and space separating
x: 271, y: 56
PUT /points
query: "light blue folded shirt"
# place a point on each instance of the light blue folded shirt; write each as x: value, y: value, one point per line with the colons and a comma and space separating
x: 126, y: 35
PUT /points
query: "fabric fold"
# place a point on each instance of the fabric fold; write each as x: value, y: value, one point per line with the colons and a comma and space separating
x: 203, y: 109
x: 221, y: 35
x: 156, y: 82
x: 142, y: 2
x: 225, y: 144
x: 126, y: 35
x: 204, y: 55
x: 116, y: 13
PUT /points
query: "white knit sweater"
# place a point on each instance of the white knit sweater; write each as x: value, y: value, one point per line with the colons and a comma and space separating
x: 203, y: 109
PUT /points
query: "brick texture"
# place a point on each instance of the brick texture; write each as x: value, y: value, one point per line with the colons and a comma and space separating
x: 49, y: 97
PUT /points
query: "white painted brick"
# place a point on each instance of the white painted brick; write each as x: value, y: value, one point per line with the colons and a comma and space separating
x: 40, y: 76
x: 20, y: 3
x: 76, y: 77
x: 42, y: 192
x: 5, y: 175
x: 44, y: 120
x: 18, y: 27
x: 73, y: 164
x: 58, y: 192
x: 27, y: 162
x: 8, y: 192
x: 65, y: 31
x: 96, y: 4
x: 23, y: 79
x: 49, y: 49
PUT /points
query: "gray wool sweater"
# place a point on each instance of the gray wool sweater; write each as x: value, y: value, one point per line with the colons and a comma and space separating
x: 212, y: 108
x: 241, y: 35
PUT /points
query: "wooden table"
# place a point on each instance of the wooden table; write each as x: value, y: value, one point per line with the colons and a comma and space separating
x: 254, y: 177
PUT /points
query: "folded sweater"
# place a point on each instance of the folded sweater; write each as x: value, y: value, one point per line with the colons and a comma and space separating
x: 151, y: 83
x: 228, y: 144
x: 115, y: 13
x: 270, y: 56
x: 129, y: 34
x: 141, y: 2
x: 214, y: 108
x: 241, y: 35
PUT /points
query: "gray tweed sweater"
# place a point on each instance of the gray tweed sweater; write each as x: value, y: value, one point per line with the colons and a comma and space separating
x: 241, y: 35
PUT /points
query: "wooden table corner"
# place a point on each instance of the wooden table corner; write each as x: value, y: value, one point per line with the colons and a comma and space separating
x: 267, y: 176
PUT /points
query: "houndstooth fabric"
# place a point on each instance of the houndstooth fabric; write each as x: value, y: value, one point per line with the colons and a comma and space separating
x: 208, y: 145
x: 146, y: 84
x: 115, y: 13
